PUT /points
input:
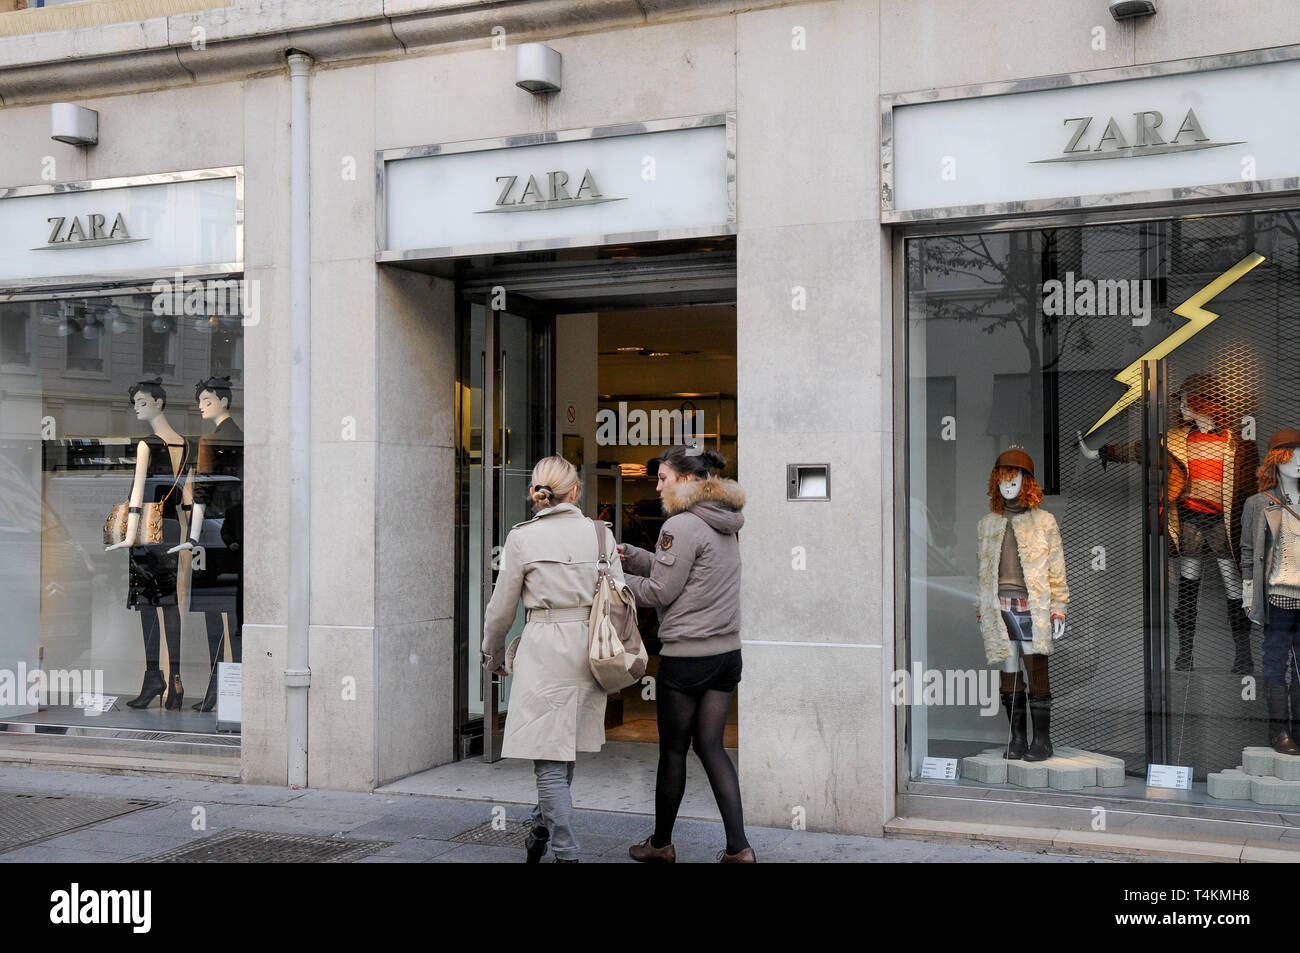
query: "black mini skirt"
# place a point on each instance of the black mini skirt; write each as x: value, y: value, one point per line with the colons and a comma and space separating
x: 695, y: 676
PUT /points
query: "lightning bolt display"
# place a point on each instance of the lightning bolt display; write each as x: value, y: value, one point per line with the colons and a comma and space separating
x: 1198, y: 319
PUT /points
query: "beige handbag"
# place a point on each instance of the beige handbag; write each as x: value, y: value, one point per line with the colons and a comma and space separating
x: 615, y: 651
x: 151, y: 515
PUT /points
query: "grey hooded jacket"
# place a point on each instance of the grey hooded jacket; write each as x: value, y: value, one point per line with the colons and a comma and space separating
x: 693, y: 576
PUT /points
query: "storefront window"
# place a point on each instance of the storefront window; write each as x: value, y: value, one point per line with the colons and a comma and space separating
x: 1015, y: 341
x: 101, y: 411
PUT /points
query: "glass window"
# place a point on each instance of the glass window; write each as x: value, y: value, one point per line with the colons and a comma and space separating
x: 82, y: 440
x: 14, y: 333
x: 1135, y: 526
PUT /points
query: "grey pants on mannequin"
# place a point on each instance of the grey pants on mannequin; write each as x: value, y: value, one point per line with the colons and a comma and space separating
x: 554, y: 809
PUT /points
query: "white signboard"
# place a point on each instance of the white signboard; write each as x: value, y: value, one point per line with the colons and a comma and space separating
x: 229, y: 696
x: 1169, y: 776
x: 142, y: 230
x: 672, y: 181
x: 939, y: 769
x: 1236, y: 125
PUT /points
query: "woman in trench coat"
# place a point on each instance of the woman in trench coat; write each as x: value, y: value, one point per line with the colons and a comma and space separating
x: 557, y: 708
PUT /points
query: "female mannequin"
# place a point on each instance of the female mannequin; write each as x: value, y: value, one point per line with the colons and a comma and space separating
x: 161, y: 460
x: 217, y: 493
x: 1212, y: 472
x: 1022, y: 597
x: 1270, y: 568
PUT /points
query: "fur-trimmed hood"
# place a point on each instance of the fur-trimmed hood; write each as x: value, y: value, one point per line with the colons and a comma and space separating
x: 716, y: 501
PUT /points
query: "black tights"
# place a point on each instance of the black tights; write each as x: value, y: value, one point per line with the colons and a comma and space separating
x: 682, y: 719
x: 153, y: 640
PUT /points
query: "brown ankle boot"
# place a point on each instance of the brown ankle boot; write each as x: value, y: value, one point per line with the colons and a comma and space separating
x: 647, y: 853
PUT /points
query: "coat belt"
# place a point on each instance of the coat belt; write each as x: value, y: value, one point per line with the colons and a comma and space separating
x: 575, y: 614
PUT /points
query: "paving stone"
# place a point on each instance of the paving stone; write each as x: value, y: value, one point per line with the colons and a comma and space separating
x: 417, y: 850
x: 1233, y: 784
x: 988, y: 767
x: 1275, y: 791
x: 1286, y: 766
x: 1027, y: 774
x: 1258, y: 761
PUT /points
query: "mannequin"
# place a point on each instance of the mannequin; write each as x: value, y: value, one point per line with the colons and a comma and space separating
x: 1022, y: 597
x: 1211, y: 473
x: 218, y: 493
x: 1270, y: 568
x: 160, y: 464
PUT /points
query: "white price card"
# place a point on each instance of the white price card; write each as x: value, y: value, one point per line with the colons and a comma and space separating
x: 94, y: 704
x: 1169, y: 776
x: 939, y: 769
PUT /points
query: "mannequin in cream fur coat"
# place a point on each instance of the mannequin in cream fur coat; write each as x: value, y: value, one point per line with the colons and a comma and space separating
x: 1021, y: 584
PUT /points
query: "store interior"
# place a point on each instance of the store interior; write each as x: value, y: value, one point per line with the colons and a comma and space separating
x: 681, y: 363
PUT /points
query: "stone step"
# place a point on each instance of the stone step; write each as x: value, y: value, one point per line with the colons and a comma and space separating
x: 1069, y: 769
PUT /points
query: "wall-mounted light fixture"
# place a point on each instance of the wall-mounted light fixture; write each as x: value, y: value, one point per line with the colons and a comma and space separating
x: 537, y: 68
x: 1128, y: 9
x: 73, y: 124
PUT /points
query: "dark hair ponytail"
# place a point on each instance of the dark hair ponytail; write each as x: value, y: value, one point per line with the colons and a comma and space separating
x: 685, y: 461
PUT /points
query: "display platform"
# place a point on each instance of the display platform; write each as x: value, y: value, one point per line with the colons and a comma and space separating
x: 1264, y: 776
x: 1069, y: 769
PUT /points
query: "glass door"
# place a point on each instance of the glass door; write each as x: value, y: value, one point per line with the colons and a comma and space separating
x: 505, y: 418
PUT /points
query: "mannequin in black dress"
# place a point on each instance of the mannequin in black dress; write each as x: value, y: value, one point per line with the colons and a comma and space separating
x: 161, y: 461
x: 218, y: 494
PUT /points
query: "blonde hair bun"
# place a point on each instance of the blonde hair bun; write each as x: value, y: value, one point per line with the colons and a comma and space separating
x: 552, y: 480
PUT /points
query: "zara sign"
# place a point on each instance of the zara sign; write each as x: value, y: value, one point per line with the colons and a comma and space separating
x: 636, y: 182
x: 121, y: 228
x: 1091, y: 139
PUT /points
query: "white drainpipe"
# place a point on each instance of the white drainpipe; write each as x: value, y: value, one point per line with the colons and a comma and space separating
x: 297, y: 674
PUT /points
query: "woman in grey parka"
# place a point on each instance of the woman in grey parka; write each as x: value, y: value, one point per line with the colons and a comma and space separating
x: 557, y: 708
x: 693, y: 579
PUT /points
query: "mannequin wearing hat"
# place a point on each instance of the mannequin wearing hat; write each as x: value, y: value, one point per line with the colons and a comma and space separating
x: 1022, y: 597
x: 1211, y: 474
x: 1270, y: 568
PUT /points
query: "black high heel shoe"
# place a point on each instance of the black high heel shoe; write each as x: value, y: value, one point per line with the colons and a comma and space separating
x: 176, y: 697
x: 210, y: 696
x: 153, y: 686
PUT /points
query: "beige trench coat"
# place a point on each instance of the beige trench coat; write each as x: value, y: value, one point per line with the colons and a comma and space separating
x: 557, y: 707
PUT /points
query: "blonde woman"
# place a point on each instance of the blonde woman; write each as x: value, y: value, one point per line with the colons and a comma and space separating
x: 557, y: 708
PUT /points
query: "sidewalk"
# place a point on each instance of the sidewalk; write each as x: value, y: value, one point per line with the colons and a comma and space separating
x: 415, y: 828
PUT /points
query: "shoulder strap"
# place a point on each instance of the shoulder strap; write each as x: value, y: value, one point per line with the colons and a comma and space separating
x: 185, y: 459
x: 1281, y: 504
x: 602, y: 563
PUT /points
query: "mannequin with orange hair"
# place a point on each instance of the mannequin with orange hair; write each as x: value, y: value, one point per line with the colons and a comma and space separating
x: 1211, y: 474
x: 1022, y: 597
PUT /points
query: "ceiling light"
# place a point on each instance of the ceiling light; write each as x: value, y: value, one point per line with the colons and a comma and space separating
x: 623, y: 349
x: 660, y: 354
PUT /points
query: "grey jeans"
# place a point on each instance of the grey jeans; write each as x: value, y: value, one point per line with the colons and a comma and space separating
x: 554, y: 809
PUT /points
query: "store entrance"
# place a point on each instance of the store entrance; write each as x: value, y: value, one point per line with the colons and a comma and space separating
x: 607, y: 362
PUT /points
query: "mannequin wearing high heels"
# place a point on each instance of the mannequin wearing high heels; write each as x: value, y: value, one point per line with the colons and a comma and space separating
x: 217, y: 491
x: 161, y: 461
